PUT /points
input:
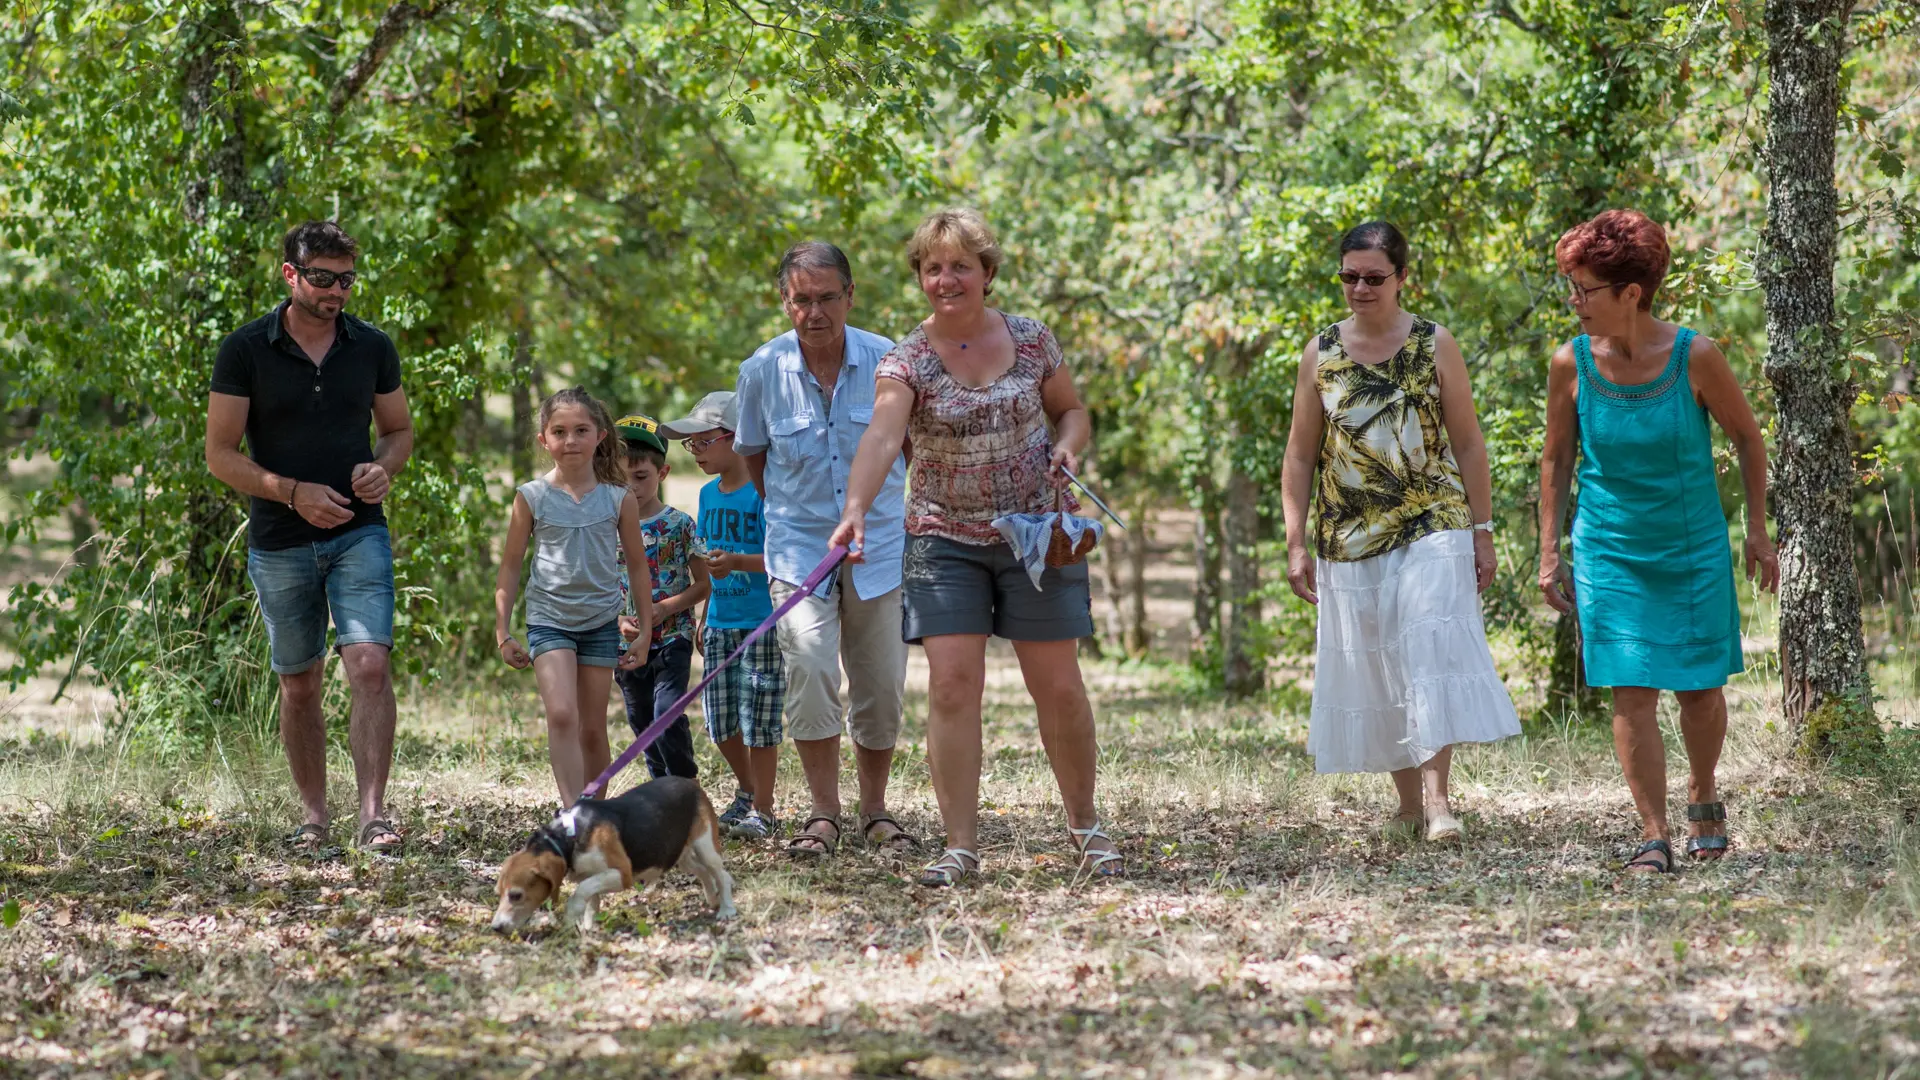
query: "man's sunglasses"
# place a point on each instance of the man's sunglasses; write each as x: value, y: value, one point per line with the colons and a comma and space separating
x: 1374, y: 281
x: 325, y: 279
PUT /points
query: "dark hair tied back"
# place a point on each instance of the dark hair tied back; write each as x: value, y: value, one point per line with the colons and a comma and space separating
x: 1378, y: 236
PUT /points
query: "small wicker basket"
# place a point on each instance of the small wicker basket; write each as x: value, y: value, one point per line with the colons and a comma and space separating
x: 1061, y: 549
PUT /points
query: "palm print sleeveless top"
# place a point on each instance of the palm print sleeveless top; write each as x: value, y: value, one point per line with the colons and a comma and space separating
x: 1387, y: 475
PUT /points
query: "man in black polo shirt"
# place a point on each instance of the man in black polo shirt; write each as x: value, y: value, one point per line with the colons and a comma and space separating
x: 303, y: 384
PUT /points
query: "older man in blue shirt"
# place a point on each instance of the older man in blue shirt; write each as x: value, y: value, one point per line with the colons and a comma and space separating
x: 805, y: 399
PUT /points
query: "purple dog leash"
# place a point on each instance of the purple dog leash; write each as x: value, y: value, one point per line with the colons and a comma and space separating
x: 654, y: 730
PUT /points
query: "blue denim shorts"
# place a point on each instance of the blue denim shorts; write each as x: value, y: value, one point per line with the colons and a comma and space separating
x: 349, y: 577
x: 598, y: 647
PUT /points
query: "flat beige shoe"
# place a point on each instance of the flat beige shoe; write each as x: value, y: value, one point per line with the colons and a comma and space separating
x: 1446, y: 827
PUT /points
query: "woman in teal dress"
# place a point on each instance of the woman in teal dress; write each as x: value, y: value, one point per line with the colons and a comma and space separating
x: 1652, y: 580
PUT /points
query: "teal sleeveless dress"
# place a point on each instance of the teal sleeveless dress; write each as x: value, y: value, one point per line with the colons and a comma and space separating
x: 1652, y: 567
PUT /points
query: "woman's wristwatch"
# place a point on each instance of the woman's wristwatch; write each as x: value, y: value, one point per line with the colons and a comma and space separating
x: 1484, y: 526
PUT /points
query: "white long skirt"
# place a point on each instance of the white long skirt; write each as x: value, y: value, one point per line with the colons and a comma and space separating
x: 1401, y: 668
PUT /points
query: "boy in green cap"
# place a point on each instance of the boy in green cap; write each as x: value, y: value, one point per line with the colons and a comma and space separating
x: 679, y: 581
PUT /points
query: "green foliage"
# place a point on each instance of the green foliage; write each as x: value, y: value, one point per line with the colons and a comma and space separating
x: 1843, y: 729
x: 595, y: 193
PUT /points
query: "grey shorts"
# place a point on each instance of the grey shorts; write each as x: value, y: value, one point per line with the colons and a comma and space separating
x: 954, y: 588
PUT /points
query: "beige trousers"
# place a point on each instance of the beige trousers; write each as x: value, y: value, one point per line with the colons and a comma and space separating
x: 820, y: 635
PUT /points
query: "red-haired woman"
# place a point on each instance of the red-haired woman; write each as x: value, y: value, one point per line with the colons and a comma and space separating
x: 1652, y: 578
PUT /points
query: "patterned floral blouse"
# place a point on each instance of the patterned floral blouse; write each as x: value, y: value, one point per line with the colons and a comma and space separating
x: 1387, y: 475
x: 979, y: 452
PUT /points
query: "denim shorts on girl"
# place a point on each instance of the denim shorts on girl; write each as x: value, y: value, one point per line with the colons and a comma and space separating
x: 598, y: 647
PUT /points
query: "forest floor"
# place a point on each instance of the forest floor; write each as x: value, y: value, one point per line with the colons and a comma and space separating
x: 154, y: 926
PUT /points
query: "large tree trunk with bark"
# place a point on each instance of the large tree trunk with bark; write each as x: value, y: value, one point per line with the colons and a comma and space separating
x: 1827, y: 692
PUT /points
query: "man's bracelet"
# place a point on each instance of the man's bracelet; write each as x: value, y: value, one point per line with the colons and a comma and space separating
x: 291, y: 492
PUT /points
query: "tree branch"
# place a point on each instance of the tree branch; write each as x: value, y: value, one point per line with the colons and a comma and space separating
x: 394, y: 25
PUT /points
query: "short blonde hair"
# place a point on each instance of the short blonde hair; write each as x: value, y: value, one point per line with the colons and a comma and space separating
x: 960, y: 227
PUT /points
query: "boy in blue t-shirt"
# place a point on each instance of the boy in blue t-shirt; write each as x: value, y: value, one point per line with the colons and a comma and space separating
x: 743, y: 705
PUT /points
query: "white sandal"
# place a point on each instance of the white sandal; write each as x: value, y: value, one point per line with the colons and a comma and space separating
x: 1098, y: 863
x: 950, y: 869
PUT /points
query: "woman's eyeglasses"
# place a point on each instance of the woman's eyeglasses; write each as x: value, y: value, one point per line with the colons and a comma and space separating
x: 1580, y: 292
x: 325, y: 279
x: 1374, y: 281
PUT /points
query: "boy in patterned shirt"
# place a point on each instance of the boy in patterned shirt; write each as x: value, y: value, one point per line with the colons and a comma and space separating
x: 679, y: 581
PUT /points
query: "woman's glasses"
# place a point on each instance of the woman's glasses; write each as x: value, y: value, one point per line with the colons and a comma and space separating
x: 1580, y: 292
x: 1374, y: 281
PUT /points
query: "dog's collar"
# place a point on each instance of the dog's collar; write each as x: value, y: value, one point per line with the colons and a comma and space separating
x: 549, y: 838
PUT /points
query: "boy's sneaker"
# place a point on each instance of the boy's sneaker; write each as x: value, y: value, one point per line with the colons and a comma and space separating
x: 741, y: 807
x: 755, y: 826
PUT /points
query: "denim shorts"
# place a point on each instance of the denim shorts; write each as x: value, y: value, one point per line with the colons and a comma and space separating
x: 948, y: 587
x: 598, y: 647
x: 348, y: 577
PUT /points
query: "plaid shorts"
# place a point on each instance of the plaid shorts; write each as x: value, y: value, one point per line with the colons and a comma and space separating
x: 746, y: 699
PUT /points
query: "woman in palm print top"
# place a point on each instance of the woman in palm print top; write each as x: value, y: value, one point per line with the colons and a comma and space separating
x: 1384, y: 410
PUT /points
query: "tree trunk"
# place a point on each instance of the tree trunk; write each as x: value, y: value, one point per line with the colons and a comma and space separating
x: 1567, y: 689
x: 1206, y: 565
x: 1138, y: 639
x: 1245, y: 669
x: 1827, y: 691
x: 1110, y: 553
x: 526, y: 380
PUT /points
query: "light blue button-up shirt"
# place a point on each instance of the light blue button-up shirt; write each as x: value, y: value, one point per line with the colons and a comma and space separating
x: 810, y: 443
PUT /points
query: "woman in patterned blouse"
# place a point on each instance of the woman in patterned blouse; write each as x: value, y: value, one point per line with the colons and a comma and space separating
x: 1384, y: 410
x: 976, y: 389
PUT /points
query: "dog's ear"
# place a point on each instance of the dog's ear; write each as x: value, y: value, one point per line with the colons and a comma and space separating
x: 553, y: 868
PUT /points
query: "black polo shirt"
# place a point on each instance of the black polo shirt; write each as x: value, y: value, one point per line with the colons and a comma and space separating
x: 312, y: 423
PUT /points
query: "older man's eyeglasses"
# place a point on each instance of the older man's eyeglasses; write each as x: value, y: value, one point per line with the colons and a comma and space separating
x: 1580, y: 292
x: 806, y: 303
x: 1374, y: 281
x: 325, y: 279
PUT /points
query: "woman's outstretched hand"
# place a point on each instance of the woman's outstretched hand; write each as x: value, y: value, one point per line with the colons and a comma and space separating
x: 852, y: 532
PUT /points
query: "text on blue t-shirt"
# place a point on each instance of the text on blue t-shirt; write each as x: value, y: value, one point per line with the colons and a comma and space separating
x: 731, y: 521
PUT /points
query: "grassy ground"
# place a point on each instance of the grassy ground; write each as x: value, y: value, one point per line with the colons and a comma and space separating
x: 1265, y: 929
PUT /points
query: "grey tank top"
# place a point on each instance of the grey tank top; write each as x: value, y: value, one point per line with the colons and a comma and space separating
x: 575, y: 583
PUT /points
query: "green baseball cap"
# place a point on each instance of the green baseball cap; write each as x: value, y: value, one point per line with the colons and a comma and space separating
x: 643, y: 429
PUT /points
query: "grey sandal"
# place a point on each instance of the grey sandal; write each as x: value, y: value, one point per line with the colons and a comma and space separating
x: 1108, y: 863
x: 1712, y: 811
x: 950, y: 869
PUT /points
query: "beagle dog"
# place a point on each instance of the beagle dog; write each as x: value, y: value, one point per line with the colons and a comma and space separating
x: 608, y: 844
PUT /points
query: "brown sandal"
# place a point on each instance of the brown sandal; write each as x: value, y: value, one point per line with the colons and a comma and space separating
x: 900, y: 843
x: 381, y: 827
x: 797, y: 844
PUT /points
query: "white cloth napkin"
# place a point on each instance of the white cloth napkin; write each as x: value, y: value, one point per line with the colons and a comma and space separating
x: 1028, y: 535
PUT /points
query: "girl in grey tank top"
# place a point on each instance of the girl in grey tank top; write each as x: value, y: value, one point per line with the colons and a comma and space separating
x: 575, y: 581
x: 573, y: 590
